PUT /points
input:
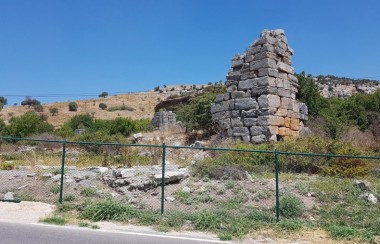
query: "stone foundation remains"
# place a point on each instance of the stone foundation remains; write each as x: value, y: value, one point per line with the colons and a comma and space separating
x: 260, y: 104
x: 163, y: 118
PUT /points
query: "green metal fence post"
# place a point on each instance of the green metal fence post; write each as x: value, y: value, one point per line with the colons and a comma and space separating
x: 163, y: 179
x: 277, y: 188
x: 62, y: 171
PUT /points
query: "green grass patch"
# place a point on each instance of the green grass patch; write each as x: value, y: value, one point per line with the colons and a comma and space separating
x: 89, y: 192
x: 56, y: 220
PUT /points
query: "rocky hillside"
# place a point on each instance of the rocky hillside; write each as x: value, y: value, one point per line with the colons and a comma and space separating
x: 332, y: 86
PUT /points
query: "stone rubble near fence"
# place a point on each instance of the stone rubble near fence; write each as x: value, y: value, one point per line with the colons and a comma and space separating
x: 163, y: 118
x: 260, y: 104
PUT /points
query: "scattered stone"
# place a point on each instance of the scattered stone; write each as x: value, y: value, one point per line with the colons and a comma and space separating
x: 127, y: 173
x: 311, y: 194
x: 132, y: 201
x: 137, y: 136
x: 56, y: 178
x: 31, y: 174
x: 69, y: 180
x: 163, y: 119
x: 9, y: 196
x: 154, y: 193
x: 187, y: 189
x: 170, y: 177
x: 170, y: 199
x: 47, y: 175
x: 372, y: 199
x: 369, y: 197
x: 21, y: 187
x: 362, y: 185
x: 100, y: 170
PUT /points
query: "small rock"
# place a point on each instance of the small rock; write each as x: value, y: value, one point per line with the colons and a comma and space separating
x: 116, y: 173
x: 132, y: 201
x: 47, y: 175
x: 372, y: 199
x: 199, y: 144
x: 362, y: 184
x: 56, y: 178
x: 127, y: 173
x: 100, y: 170
x: 22, y: 187
x: 78, y: 178
x: 170, y: 199
x: 69, y: 180
x: 155, y: 193
x: 187, y: 189
x: 31, y: 175
x: 311, y: 194
x: 137, y: 136
x: 9, y: 196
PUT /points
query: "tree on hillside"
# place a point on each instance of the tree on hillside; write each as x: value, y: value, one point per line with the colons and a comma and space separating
x: 102, y: 106
x: 30, y: 102
x: 308, y: 93
x: 73, y: 106
x: 103, y: 94
x: 53, y: 111
x: 3, y: 102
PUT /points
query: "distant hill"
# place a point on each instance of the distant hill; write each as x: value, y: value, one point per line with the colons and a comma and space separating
x: 135, y: 105
x: 332, y: 86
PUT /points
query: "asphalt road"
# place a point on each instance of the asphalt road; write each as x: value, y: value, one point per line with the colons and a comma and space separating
x: 15, y: 233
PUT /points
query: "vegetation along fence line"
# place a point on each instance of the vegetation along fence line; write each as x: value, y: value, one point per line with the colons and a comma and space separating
x: 164, y: 147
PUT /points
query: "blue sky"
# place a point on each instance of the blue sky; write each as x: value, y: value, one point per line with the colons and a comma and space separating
x: 89, y: 46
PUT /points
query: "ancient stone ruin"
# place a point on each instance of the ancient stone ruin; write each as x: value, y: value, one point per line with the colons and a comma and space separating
x: 260, y: 104
x: 163, y: 118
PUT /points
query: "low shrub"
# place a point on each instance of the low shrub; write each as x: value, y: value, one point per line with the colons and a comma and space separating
x: 104, y: 210
x: 291, y: 206
x: 349, y: 168
x: 122, y: 107
x: 57, y: 220
x: 6, y: 166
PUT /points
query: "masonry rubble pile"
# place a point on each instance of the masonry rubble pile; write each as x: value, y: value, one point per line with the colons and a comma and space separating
x: 163, y: 118
x: 260, y: 102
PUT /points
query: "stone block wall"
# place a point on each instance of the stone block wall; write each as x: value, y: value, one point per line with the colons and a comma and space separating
x: 163, y: 118
x: 260, y: 102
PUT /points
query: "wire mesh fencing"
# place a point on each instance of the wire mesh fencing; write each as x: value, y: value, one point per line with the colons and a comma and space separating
x: 165, y: 178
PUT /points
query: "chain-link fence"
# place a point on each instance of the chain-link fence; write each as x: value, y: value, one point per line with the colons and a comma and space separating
x: 173, y: 178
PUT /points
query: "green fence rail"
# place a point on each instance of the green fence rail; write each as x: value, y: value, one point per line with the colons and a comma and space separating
x: 276, y: 153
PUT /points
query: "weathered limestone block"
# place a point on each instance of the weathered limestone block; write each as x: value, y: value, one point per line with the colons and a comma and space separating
x: 258, y: 139
x: 258, y: 130
x: 263, y: 63
x: 236, y: 122
x: 240, y: 131
x: 266, y: 101
x: 247, y: 84
x: 287, y: 103
x: 282, y: 112
x: 286, y: 68
x: 225, y: 123
x: 270, y: 120
x: 250, y: 113
x: 220, y: 107
x: 245, y: 103
x: 268, y: 72
x: 221, y: 115
x: 295, y: 124
x: 235, y: 113
x: 283, y: 131
x: 249, y: 122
